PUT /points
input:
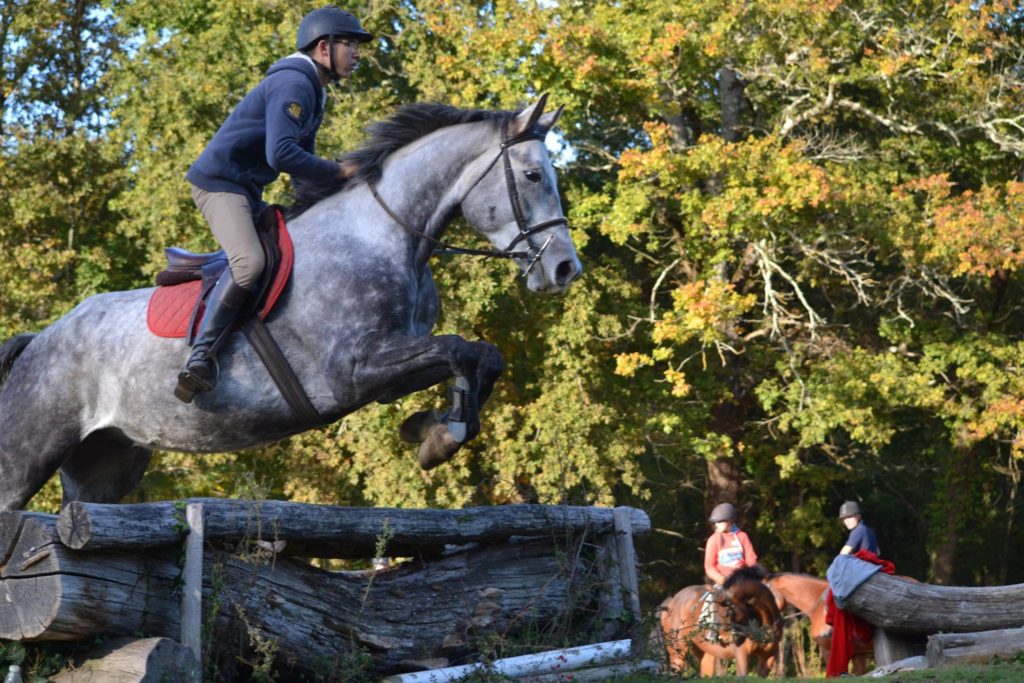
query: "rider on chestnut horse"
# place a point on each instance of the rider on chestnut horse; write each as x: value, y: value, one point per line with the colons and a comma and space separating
x: 727, y: 550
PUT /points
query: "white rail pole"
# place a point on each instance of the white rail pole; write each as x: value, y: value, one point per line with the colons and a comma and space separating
x: 550, y: 662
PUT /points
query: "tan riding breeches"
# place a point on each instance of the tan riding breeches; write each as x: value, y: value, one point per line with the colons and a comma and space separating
x: 230, y: 217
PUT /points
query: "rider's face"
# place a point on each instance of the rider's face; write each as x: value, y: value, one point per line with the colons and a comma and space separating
x: 722, y: 526
x: 346, y: 56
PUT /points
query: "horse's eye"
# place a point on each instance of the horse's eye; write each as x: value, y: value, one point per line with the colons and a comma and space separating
x: 533, y: 176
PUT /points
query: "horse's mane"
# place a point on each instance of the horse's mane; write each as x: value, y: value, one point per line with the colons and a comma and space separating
x: 407, y: 124
x: 745, y: 575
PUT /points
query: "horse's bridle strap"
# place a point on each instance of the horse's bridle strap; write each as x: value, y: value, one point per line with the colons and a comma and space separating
x: 533, y: 253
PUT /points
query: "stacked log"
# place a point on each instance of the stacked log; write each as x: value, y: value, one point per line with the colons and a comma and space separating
x: 902, y: 605
x: 49, y: 592
x: 514, y: 567
x: 134, y: 660
x: 946, y: 649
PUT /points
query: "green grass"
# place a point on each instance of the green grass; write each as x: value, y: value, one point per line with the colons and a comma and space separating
x: 997, y: 672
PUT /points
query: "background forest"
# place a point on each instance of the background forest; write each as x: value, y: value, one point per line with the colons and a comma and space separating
x: 802, y: 224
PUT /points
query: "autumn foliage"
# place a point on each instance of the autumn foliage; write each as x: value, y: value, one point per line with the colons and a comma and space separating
x: 801, y: 224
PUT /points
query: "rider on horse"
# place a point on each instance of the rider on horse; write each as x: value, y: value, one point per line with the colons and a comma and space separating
x: 727, y: 550
x: 272, y: 130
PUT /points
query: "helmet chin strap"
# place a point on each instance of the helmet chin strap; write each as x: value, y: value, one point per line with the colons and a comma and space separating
x: 331, y: 73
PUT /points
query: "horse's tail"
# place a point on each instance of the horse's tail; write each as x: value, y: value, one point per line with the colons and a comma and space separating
x: 10, y: 351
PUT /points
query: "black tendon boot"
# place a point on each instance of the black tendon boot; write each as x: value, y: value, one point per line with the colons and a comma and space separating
x: 224, y: 304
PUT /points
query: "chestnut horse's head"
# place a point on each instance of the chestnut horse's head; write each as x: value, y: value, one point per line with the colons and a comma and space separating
x: 750, y: 607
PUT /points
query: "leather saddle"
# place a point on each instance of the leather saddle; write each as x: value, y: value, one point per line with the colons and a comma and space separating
x: 178, y: 292
x: 186, y: 266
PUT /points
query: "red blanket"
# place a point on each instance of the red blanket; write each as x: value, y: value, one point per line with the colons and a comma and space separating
x: 846, y: 627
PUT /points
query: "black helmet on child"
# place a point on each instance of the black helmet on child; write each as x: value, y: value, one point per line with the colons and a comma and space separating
x: 848, y: 509
x: 329, y: 21
x: 723, y: 512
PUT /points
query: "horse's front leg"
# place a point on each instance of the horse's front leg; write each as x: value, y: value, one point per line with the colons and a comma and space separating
x: 742, y: 660
x: 707, y: 665
x: 389, y: 367
x: 442, y: 434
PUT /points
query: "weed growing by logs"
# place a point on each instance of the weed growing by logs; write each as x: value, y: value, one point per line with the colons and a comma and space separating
x: 380, y: 548
x: 37, y: 661
x: 253, y: 548
x: 211, y: 608
x: 264, y: 650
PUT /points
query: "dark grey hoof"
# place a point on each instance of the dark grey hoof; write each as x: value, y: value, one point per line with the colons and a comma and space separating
x: 183, y: 393
x: 416, y: 428
x: 438, y: 447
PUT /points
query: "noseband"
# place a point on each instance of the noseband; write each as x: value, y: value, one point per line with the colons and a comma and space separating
x: 532, y: 253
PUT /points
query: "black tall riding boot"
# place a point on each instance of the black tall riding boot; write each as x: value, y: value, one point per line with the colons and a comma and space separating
x: 223, y: 306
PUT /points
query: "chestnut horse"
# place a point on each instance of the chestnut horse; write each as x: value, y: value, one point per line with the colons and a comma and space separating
x: 807, y: 594
x: 751, y: 625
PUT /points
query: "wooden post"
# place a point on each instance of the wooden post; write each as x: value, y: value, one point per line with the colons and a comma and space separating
x: 192, y: 597
x: 627, y: 572
x: 890, y: 647
x: 611, y: 605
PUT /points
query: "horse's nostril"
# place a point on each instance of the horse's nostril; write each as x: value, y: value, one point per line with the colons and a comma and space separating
x: 566, y: 272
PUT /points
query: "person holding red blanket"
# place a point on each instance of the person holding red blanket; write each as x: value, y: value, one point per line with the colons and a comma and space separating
x: 847, y: 629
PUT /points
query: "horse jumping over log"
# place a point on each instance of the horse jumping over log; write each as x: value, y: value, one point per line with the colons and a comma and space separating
x: 807, y: 594
x: 92, y: 395
x: 749, y: 625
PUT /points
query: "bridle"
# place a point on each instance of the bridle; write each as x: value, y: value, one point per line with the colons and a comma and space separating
x: 532, y: 253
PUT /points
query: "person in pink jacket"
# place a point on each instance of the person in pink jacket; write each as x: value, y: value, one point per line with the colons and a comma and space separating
x: 728, y: 548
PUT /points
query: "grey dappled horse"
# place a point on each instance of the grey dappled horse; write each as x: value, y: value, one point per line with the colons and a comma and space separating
x: 93, y: 394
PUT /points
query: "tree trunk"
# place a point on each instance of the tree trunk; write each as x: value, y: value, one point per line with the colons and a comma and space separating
x: 956, y: 497
x: 730, y: 90
x: 724, y: 472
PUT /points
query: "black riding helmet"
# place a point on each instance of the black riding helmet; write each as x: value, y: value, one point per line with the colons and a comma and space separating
x: 723, y: 512
x: 849, y: 509
x: 329, y: 22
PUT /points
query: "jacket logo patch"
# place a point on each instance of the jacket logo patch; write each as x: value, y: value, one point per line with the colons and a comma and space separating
x: 295, y: 110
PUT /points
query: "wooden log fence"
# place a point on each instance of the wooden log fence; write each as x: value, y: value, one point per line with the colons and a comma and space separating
x: 948, y: 623
x: 476, y: 574
x: 900, y: 605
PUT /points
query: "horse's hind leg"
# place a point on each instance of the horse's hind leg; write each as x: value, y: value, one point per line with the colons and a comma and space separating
x: 32, y: 447
x: 103, y: 468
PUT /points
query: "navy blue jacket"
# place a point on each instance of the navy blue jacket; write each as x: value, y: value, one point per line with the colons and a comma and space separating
x: 862, y: 538
x: 273, y: 129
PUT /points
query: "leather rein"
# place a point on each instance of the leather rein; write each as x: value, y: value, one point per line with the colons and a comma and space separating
x: 532, y: 253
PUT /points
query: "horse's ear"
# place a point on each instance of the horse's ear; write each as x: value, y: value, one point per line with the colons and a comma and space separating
x: 548, y: 121
x: 526, y: 119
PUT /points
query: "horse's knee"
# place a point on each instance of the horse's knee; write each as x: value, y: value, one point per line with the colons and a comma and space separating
x: 492, y: 363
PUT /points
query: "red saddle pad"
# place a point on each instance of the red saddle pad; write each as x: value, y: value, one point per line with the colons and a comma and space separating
x: 171, y: 307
